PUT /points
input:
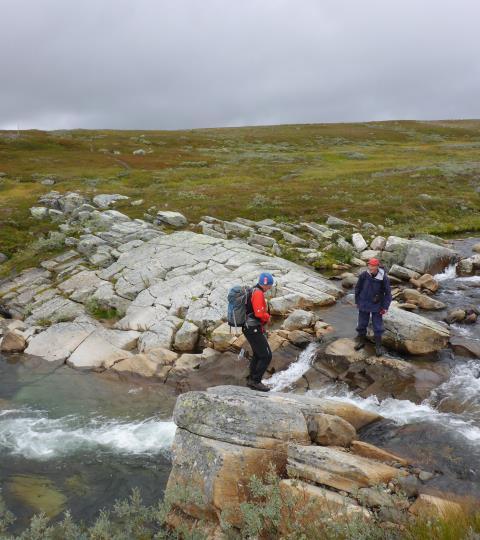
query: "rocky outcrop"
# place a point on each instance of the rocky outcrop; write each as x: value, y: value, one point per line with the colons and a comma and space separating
x: 226, y: 435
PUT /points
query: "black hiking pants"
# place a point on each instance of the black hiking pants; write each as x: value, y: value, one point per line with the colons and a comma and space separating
x: 262, y: 354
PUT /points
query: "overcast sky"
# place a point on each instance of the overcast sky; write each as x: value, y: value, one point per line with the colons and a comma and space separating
x: 166, y: 64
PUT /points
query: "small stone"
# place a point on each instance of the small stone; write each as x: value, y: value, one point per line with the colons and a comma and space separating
x: 408, y: 485
x: 425, y: 476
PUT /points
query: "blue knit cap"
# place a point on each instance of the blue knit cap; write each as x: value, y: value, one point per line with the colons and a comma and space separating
x: 265, y: 279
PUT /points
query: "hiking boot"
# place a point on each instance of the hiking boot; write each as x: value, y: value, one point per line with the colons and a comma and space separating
x: 258, y: 386
x: 360, y: 342
x: 379, y: 350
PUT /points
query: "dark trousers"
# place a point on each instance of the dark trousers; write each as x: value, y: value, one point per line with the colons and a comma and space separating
x: 363, y: 320
x: 262, y: 354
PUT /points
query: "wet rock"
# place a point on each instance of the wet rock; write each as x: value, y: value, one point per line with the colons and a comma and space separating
x: 465, y: 347
x: 455, y: 315
x: 173, y: 219
x: 426, y: 282
x: 352, y: 414
x: 13, y: 341
x: 422, y: 300
x: 322, y: 328
x: 329, y: 430
x: 465, y: 267
x: 359, y: 242
x: 337, y: 469
x: 299, y: 338
x: 299, y: 319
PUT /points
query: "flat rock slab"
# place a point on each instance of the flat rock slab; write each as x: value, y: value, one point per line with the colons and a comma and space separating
x: 60, y: 340
x: 337, y: 469
x: 243, y: 417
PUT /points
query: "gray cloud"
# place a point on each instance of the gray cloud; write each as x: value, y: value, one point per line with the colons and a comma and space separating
x: 163, y: 64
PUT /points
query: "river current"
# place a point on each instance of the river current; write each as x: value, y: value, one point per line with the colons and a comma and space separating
x: 81, y: 440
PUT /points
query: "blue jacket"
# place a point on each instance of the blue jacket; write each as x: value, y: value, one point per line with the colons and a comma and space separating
x: 372, y: 293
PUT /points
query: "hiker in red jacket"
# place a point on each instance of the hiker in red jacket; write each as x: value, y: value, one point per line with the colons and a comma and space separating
x: 257, y: 317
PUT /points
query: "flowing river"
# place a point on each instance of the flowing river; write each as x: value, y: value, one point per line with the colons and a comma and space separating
x: 81, y: 440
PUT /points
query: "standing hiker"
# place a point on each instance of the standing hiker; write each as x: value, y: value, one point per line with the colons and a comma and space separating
x: 257, y: 316
x: 372, y: 297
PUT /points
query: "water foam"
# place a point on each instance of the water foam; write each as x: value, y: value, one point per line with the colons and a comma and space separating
x: 449, y: 273
x: 283, y: 379
x: 32, y: 434
x: 406, y: 412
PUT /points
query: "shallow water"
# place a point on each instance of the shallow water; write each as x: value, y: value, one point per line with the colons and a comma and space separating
x: 79, y: 440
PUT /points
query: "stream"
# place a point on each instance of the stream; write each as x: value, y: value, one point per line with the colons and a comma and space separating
x: 81, y: 440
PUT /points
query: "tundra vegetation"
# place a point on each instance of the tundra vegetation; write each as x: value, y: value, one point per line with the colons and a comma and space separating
x: 410, y: 177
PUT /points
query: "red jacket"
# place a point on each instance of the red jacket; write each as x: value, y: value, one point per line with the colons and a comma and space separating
x: 259, y: 305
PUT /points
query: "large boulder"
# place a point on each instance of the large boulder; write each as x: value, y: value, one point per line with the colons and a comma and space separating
x: 359, y: 242
x: 337, y: 469
x: 413, y: 333
x: 243, y: 417
x: 419, y: 255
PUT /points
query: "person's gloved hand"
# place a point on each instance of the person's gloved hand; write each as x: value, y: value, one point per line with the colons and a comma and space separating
x: 382, y: 311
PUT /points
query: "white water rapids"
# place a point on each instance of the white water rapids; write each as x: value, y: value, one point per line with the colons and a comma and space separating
x: 463, y: 384
x: 32, y: 434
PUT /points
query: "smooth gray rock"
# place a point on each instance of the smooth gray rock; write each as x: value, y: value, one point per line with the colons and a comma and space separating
x: 299, y: 319
x: 57, y: 309
x: 412, y: 333
x: 359, y: 242
x: 403, y: 273
x: 173, y: 219
x: 244, y: 417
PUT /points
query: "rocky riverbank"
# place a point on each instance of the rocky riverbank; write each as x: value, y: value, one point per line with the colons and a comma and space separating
x: 226, y: 435
x: 146, y: 299
x: 164, y: 290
